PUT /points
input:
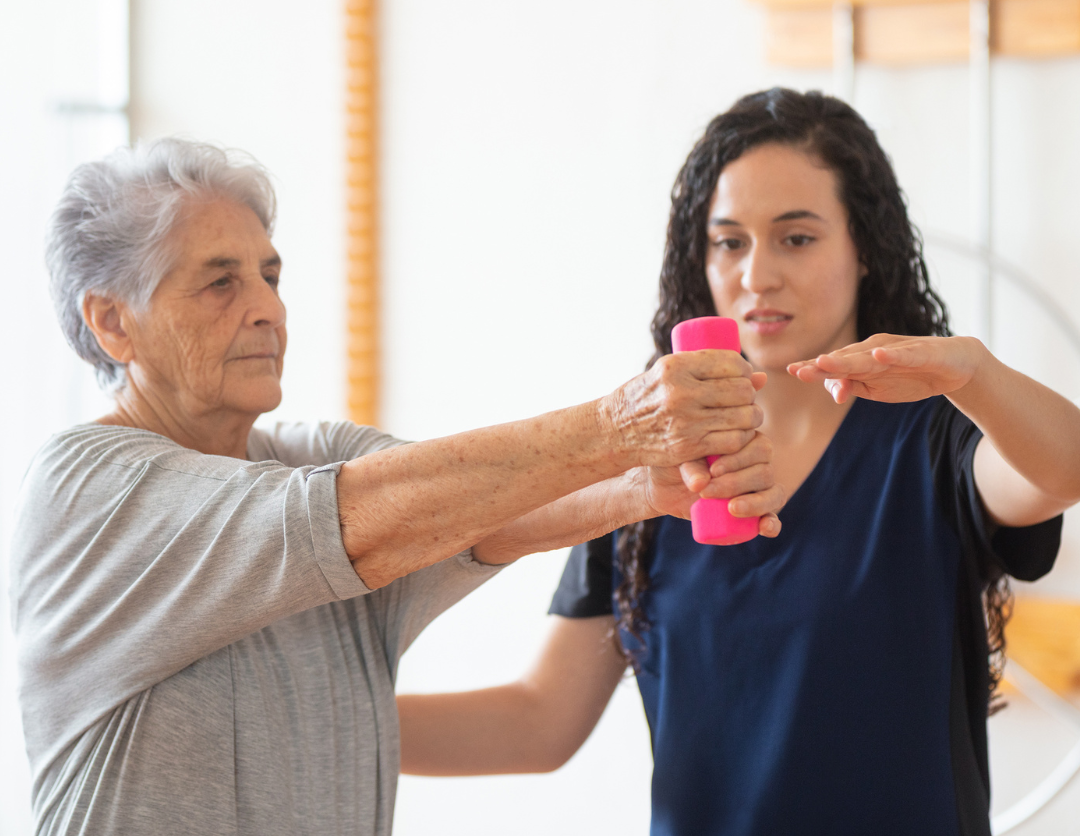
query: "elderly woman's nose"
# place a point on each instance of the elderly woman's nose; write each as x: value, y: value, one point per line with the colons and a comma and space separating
x: 265, y: 306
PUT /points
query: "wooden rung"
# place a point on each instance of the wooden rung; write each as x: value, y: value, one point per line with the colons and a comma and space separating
x: 1043, y: 636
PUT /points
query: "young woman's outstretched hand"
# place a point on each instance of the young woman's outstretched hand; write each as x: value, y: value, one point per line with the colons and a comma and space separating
x: 1027, y: 465
x: 889, y: 368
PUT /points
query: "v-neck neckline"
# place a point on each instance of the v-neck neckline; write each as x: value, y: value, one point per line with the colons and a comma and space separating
x: 805, y: 495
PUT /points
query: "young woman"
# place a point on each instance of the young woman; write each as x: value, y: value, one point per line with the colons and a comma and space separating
x: 837, y: 678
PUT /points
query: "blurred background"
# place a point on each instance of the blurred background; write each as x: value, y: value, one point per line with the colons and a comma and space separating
x: 526, y: 154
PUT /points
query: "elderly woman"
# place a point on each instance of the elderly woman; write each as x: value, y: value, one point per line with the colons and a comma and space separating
x: 210, y: 616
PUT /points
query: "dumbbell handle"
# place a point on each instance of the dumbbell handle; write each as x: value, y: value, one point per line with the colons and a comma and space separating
x: 710, y: 519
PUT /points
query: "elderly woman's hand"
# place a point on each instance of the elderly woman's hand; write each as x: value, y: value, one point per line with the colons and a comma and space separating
x: 549, y: 481
x: 686, y: 407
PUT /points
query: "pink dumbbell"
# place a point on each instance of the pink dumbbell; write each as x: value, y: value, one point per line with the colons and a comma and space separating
x: 710, y: 519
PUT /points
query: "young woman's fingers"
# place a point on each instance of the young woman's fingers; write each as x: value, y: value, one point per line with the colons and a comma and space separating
x: 840, y: 388
x: 769, y: 525
x: 758, y: 451
x: 695, y: 475
x: 905, y: 355
x: 753, y: 479
x: 768, y: 501
x: 860, y: 362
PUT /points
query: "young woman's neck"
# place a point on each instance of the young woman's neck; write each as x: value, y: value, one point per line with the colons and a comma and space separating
x: 797, y: 412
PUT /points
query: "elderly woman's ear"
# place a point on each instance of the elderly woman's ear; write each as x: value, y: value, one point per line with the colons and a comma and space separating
x: 104, y: 317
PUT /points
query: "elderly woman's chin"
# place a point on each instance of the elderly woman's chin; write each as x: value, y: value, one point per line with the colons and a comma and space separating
x: 252, y: 392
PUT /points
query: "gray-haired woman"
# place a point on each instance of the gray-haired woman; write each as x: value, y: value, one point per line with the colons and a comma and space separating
x: 209, y: 616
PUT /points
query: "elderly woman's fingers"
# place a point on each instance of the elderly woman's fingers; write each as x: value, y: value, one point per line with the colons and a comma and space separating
x: 710, y: 364
x: 727, y: 442
x: 684, y: 408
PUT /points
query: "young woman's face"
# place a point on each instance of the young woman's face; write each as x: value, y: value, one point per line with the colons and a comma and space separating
x: 781, y: 261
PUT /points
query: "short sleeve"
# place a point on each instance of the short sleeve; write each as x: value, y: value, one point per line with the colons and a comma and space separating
x: 1026, y: 553
x: 585, y: 590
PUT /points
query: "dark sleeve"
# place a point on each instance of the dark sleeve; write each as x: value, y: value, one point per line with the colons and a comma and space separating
x: 585, y: 587
x: 1025, y: 553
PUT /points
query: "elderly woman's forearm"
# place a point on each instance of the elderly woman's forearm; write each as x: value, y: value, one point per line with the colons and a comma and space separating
x: 583, y: 515
x: 412, y: 506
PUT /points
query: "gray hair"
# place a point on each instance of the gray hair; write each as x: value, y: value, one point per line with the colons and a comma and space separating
x: 109, y: 232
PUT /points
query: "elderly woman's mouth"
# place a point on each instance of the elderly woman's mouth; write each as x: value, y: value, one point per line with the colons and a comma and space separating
x: 256, y: 355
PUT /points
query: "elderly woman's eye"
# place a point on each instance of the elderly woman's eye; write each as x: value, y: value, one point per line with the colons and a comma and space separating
x: 272, y: 280
x: 222, y: 282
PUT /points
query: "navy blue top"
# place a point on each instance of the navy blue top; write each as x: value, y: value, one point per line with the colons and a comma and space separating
x: 824, y: 681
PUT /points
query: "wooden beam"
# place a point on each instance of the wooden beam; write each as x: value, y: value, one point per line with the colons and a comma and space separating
x: 799, y: 32
x: 1035, y: 28
x: 922, y: 34
x: 362, y: 204
x: 799, y: 37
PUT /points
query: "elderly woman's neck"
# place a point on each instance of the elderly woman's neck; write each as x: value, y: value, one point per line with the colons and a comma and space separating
x: 214, y: 432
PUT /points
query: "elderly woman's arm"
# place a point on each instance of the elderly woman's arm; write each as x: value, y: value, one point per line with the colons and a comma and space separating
x: 642, y: 493
x: 412, y: 506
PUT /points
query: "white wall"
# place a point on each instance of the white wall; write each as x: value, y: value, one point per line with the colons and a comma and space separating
x: 265, y: 76
x: 529, y: 148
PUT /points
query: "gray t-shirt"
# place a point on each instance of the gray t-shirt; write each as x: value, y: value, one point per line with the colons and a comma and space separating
x: 196, y: 653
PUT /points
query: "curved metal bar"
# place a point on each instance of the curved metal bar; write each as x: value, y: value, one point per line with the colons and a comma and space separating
x: 1016, y: 277
x: 1030, y: 686
x: 1062, y: 774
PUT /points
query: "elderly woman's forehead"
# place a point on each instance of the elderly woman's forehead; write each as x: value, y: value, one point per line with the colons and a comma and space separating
x: 220, y: 234
x: 220, y: 219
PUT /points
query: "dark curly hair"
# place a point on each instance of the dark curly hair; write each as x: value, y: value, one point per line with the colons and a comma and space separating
x: 894, y: 296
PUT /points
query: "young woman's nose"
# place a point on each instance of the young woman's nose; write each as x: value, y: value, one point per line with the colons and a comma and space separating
x: 760, y: 273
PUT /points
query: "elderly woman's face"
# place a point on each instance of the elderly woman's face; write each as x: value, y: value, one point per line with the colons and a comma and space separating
x: 213, y: 336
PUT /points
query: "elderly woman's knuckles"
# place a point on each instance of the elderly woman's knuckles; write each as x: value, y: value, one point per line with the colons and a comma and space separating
x: 745, y: 417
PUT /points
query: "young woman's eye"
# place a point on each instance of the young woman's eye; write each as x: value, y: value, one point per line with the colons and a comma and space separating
x: 728, y: 244
x: 800, y: 240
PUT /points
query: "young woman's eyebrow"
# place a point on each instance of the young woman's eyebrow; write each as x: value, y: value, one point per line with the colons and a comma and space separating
x: 797, y: 215
x: 793, y: 215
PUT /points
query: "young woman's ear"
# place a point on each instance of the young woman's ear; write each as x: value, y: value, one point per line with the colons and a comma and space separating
x: 103, y: 316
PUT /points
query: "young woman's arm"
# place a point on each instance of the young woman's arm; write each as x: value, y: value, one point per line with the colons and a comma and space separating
x: 1027, y: 466
x: 533, y: 725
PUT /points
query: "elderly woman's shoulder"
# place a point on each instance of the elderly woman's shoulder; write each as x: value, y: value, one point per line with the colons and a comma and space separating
x: 327, y: 442
x: 86, y: 447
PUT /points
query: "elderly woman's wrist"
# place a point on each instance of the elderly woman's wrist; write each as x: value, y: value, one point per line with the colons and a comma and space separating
x: 613, y: 440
